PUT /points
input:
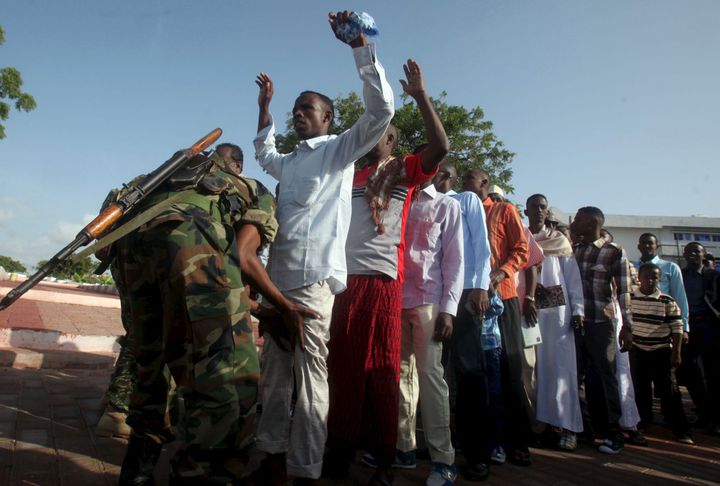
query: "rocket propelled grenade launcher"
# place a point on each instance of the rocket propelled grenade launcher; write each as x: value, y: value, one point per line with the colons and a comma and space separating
x: 105, y: 220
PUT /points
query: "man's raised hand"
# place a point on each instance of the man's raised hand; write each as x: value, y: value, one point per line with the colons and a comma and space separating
x: 266, y: 89
x: 414, y: 86
x: 335, y: 19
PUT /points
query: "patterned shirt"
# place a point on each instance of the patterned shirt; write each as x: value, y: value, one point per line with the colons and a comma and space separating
x: 605, y: 274
x: 491, y: 338
x: 655, y: 318
x: 369, y: 252
x: 671, y: 283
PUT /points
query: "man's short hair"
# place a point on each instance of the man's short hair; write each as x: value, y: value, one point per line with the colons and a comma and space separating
x: 648, y: 235
x: 329, y: 105
x: 694, y: 243
x: 593, y: 211
x: 236, y: 152
x: 534, y: 196
x: 648, y: 267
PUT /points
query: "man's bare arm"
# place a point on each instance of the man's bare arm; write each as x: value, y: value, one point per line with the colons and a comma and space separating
x: 248, y: 242
x: 438, y: 144
x: 264, y: 97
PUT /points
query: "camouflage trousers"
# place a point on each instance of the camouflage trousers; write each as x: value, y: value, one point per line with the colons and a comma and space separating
x: 190, y: 313
x: 124, y: 377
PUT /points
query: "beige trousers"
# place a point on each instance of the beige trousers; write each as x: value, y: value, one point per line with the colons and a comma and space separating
x: 421, y: 376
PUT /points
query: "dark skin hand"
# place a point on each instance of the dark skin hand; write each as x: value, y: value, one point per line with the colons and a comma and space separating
x: 530, y: 312
x: 479, y: 301
x: 497, y: 276
x: 338, y: 18
x: 577, y: 323
x: 443, y: 327
x: 529, y: 308
x: 293, y: 314
x: 625, y: 340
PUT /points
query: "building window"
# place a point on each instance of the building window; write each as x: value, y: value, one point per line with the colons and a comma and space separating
x: 716, y: 237
x: 702, y: 237
x: 683, y: 236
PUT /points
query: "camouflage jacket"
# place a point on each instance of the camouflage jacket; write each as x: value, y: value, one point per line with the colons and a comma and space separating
x: 230, y: 200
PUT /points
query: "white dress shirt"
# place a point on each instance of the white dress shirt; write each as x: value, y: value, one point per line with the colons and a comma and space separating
x: 433, y: 252
x: 315, y: 187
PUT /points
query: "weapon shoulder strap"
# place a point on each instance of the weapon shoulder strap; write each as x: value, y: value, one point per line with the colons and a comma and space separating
x: 130, y: 226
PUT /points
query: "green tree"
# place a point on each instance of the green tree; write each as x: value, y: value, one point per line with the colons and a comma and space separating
x: 78, y: 271
x: 472, y: 141
x: 11, y: 265
x: 11, y: 92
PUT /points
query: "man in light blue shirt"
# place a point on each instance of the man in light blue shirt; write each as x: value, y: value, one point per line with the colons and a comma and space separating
x: 307, y: 260
x: 473, y: 303
x: 671, y: 281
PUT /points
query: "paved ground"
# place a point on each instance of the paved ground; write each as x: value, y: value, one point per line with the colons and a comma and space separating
x: 46, y: 438
x: 48, y: 412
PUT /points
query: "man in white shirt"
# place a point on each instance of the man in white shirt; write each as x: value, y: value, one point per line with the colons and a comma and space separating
x: 431, y: 291
x: 307, y: 261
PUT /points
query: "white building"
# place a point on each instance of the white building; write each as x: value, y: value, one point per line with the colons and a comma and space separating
x: 673, y: 232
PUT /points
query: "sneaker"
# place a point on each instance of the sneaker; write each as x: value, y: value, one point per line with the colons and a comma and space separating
x: 610, y: 446
x: 568, y: 441
x: 405, y: 460
x: 685, y: 439
x: 441, y: 475
x: 497, y: 456
x: 369, y: 460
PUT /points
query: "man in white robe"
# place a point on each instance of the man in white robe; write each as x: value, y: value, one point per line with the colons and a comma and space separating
x: 560, y: 303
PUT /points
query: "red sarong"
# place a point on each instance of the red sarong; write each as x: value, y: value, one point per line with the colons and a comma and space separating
x: 364, y: 365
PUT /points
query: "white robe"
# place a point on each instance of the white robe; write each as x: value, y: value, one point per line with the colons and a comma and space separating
x: 630, y: 415
x: 558, y: 396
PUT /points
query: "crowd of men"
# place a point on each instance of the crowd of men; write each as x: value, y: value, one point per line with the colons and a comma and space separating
x: 386, y: 291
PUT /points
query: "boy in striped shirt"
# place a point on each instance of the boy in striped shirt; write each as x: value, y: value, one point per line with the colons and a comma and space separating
x: 657, y: 339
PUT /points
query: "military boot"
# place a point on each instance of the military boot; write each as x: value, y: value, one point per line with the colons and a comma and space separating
x: 139, y: 463
x: 112, y: 424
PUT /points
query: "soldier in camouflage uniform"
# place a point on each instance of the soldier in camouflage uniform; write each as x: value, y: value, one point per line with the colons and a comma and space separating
x: 189, y: 311
x: 124, y: 377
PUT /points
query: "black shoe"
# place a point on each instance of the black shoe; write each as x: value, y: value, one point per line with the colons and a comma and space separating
x: 139, y: 463
x: 476, y: 472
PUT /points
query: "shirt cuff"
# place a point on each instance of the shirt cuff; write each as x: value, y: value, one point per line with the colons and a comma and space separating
x: 449, y: 307
x: 266, y: 132
x: 364, y: 56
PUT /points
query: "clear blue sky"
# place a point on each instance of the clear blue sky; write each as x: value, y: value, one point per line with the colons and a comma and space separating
x: 612, y: 103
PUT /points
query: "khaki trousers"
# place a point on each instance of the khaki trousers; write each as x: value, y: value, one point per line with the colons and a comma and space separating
x: 421, y: 377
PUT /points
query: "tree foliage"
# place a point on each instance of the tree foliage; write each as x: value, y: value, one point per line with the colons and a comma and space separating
x: 472, y: 141
x: 11, y: 265
x: 78, y: 271
x: 11, y: 92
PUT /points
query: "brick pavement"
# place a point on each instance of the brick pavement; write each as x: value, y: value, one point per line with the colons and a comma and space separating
x: 47, y: 418
x: 46, y: 438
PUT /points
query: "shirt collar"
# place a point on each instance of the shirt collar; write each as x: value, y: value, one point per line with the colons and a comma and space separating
x: 313, y: 143
x: 599, y: 242
x: 488, y: 203
x: 430, y: 191
x: 654, y: 260
x: 654, y: 295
